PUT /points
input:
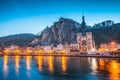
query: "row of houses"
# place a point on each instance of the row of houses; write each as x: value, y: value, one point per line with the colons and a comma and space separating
x: 109, y: 47
x: 14, y: 49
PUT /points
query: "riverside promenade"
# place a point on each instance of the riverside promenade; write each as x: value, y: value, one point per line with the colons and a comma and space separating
x: 66, y: 55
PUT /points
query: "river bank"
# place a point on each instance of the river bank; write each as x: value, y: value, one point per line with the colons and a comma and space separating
x: 66, y: 55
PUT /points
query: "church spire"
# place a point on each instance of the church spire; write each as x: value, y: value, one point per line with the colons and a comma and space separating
x: 83, y: 18
x: 83, y: 25
x: 83, y: 21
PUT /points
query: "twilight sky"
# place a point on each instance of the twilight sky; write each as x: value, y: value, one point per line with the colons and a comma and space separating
x: 32, y: 16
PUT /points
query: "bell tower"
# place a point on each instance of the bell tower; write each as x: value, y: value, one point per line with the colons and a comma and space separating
x: 84, y: 39
x: 83, y: 26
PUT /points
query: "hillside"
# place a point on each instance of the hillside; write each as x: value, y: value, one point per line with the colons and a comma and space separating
x: 18, y: 39
x: 106, y: 34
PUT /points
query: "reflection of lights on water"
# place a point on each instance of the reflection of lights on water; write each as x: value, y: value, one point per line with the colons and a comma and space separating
x: 17, y: 58
x: 63, y: 64
x: 17, y: 61
x: 40, y: 62
x: 50, y: 63
x: 28, y: 62
x: 94, y: 64
x: 114, y: 69
x: 89, y: 59
x: 5, y: 65
x: 102, y: 64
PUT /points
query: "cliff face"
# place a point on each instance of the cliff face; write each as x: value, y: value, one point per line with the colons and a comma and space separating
x: 60, y: 32
x: 65, y: 30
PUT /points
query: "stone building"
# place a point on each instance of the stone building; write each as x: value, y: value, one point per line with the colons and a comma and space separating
x: 84, y: 39
x: 104, y: 24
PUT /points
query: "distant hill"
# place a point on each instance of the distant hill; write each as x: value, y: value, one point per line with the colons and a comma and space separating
x: 18, y: 39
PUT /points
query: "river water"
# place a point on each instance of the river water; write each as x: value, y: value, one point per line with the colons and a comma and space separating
x: 58, y: 68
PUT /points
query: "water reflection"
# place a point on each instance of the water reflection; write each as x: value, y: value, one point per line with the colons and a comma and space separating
x: 94, y: 65
x: 50, y: 63
x: 17, y: 58
x: 111, y: 67
x: 28, y: 59
x: 64, y: 64
x: 102, y: 64
x: 5, y: 66
x: 5, y: 63
x: 40, y: 62
x: 114, y: 69
x: 77, y: 67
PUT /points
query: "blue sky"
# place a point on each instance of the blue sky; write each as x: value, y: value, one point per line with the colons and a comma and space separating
x: 32, y: 16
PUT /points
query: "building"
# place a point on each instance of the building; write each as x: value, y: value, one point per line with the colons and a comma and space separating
x: 74, y: 47
x: 109, y: 47
x: 60, y: 47
x: 104, y: 24
x: 67, y: 47
x: 14, y: 47
x: 84, y: 39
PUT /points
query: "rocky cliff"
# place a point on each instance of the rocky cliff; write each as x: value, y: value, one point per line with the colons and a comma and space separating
x: 60, y: 32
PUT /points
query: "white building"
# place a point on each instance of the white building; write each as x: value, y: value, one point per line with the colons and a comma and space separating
x: 60, y: 47
x: 74, y: 47
x: 13, y: 47
x: 104, y: 23
x: 48, y: 49
x: 67, y: 47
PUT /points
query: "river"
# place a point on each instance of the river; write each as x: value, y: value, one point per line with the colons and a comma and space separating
x: 58, y: 68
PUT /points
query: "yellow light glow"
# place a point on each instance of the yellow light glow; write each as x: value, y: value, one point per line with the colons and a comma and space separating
x: 94, y: 64
x: 17, y: 61
x: 17, y: 51
x: 114, y: 69
x: 106, y: 49
x: 5, y: 66
x: 6, y: 51
x: 39, y: 51
x: 102, y: 64
x: 113, y: 43
x: 50, y: 63
x: 5, y: 63
x: 28, y: 59
x: 63, y: 51
x: 50, y: 51
x: 63, y: 64
x: 29, y: 51
x: 40, y: 63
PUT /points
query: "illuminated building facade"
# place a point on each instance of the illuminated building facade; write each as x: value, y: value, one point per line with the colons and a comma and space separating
x: 84, y: 39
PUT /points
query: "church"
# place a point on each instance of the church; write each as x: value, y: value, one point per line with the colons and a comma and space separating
x: 85, y: 39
